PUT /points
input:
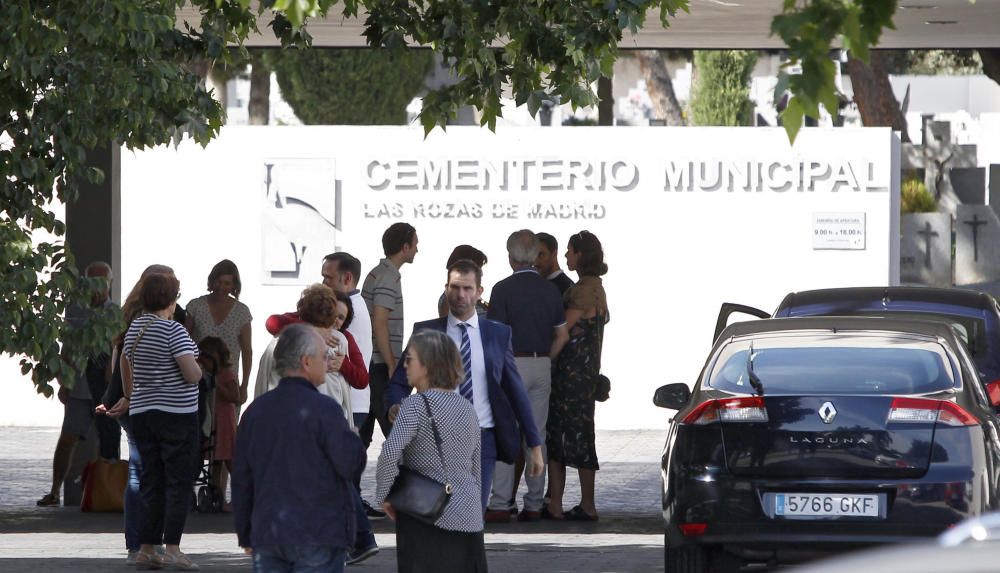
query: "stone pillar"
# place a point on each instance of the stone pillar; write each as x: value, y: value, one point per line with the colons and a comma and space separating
x: 93, y: 221
x: 93, y: 233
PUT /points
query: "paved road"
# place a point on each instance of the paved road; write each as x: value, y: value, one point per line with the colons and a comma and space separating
x: 627, y: 539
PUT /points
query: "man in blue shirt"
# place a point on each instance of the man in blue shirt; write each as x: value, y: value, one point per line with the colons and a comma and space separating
x: 533, y: 308
x: 295, y: 465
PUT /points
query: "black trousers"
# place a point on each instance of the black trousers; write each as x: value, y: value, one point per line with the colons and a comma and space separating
x: 168, y: 446
x: 109, y: 436
x: 378, y: 381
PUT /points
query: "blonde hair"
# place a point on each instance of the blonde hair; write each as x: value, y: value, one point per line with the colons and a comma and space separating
x: 318, y: 306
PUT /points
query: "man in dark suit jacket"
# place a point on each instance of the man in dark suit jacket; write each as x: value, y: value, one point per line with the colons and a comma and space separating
x: 492, y: 382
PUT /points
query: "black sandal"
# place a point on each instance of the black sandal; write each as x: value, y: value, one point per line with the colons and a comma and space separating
x: 546, y: 514
x: 577, y: 514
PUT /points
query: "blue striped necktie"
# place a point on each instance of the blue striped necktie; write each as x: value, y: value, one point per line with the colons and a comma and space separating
x: 465, y: 388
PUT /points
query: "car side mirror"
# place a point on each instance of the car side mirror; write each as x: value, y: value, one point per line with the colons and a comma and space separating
x: 674, y: 396
x: 993, y: 391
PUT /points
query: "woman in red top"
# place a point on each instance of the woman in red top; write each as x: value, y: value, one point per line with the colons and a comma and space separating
x: 353, y: 367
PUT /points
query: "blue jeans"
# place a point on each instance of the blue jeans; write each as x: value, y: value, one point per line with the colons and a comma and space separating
x: 359, y: 421
x: 363, y: 537
x: 298, y: 559
x: 135, y: 506
x: 169, y: 446
x: 488, y: 456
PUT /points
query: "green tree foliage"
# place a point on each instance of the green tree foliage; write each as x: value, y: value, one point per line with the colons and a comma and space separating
x: 722, y: 89
x: 74, y: 75
x: 933, y: 62
x: 352, y: 87
x: 558, y: 49
x: 809, y: 29
x: 915, y: 198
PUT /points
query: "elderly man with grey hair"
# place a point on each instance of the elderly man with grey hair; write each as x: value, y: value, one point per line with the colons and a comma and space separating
x: 533, y: 308
x: 295, y: 465
x: 79, y: 393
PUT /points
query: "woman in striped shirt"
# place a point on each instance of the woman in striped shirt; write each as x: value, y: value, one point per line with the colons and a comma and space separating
x: 161, y: 375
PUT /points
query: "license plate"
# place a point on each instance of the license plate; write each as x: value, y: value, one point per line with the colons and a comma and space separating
x: 825, y: 505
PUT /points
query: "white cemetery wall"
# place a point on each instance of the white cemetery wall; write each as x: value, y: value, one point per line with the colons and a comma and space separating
x: 689, y: 218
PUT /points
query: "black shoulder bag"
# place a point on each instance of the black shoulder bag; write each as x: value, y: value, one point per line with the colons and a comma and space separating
x: 417, y: 495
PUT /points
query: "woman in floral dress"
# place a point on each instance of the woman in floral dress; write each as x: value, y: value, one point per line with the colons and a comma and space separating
x: 570, y: 429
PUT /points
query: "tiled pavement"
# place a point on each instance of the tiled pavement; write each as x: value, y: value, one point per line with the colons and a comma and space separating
x: 627, y: 538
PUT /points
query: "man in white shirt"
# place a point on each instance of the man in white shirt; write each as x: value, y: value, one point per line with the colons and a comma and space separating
x: 341, y: 271
x: 492, y: 383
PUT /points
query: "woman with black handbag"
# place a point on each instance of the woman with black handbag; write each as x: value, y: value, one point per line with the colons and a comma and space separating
x: 435, y: 497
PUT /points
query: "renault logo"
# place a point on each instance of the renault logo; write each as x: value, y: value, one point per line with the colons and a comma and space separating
x: 827, y: 412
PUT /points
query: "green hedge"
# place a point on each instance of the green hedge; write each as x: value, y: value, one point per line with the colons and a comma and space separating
x: 348, y: 86
x: 721, y: 95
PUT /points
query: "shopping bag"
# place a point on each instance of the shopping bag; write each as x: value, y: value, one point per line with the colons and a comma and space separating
x: 104, y: 483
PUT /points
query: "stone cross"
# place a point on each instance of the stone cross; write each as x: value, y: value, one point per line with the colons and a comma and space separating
x: 927, y: 233
x: 977, y: 245
x: 975, y: 223
x: 936, y: 156
x: 925, y: 254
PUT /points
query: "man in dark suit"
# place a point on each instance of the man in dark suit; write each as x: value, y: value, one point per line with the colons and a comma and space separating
x: 491, y: 382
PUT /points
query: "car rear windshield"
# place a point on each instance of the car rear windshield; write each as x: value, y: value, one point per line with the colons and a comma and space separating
x: 835, y: 363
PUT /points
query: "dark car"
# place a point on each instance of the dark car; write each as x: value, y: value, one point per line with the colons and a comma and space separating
x: 807, y: 435
x: 975, y: 315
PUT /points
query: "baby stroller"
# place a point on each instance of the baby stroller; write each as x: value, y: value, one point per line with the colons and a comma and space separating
x: 208, y: 499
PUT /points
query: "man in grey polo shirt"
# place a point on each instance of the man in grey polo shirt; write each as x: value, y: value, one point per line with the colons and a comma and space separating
x: 78, y: 402
x: 532, y: 307
x: 383, y: 294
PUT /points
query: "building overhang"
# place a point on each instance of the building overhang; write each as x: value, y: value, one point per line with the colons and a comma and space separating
x: 734, y: 24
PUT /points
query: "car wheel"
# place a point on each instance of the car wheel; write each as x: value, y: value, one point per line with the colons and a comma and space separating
x: 685, y: 559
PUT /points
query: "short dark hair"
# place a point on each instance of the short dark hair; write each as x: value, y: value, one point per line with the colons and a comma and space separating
x: 591, y: 261
x: 226, y: 267
x: 467, y: 252
x: 549, y: 241
x: 439, y: 355
x: 345, y: 262
x: 159, y: 292
x: 396, y: 236
x: 342, y: 297
x: 464, y: 267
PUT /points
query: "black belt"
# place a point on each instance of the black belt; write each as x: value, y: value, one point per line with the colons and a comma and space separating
x: 531, y: 354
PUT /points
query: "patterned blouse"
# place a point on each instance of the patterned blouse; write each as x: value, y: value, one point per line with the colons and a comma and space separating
x: 228, y: 330
x: 411, y: 443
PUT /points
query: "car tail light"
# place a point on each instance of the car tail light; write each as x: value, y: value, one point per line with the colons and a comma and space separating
x: 993, y: 389
x: 693, y: 529
x: 744, y: 409
x: 925, y: 410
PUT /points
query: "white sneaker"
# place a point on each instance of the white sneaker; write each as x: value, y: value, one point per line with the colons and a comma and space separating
x: 130, y: 560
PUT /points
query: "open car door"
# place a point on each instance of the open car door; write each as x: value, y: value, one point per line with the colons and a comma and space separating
x: 729, y: 308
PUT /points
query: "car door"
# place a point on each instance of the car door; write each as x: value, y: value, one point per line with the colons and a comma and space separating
x: 730, y: 308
